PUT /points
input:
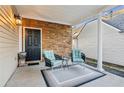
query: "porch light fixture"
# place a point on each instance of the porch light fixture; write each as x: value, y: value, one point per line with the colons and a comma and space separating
x: 18, y: 20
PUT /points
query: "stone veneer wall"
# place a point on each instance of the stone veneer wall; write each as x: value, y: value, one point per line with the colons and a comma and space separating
x: 56, y: 37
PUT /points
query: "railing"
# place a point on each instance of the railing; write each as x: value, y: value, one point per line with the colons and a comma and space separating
x: 77, y: 33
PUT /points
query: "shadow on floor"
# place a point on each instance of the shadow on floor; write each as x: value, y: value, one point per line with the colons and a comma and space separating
x: 108, y: 68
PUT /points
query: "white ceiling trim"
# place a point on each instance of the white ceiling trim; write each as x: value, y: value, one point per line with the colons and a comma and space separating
x: 58, y: 22
x: 70, y: 15
x: 93, y: 18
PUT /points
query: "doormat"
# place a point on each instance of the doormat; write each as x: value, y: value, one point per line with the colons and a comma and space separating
x: 30, y: 64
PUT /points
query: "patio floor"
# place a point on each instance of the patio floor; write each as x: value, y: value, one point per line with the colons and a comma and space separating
x: 30, y: 76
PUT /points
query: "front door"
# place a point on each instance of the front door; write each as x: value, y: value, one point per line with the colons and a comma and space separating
x: 33, y: 45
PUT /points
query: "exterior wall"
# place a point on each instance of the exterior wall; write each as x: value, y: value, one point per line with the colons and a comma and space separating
x: 113, y: 46
x: 87, y: 40
x: 55, y: 36
x: 8, y: 44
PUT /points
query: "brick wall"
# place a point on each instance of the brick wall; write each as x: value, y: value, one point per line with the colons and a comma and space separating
x: 57, y: 37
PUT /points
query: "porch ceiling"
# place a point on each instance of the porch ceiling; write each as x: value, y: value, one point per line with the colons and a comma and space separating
x: 71, y: 14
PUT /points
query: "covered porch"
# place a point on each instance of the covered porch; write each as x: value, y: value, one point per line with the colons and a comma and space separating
x: 30, y: 76
x: 27, y: 29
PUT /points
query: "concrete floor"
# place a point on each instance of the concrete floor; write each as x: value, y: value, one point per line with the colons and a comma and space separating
x: 30, y: 76
x: 109, y: 80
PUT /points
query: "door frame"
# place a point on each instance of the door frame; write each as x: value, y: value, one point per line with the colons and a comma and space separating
x: 24, y: 39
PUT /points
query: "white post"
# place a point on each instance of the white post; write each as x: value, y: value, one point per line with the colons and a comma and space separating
x: 76, y: 43
x: 20, y: 38
x: 99, y: 44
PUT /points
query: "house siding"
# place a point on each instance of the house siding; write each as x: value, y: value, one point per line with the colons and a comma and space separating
x: 8, y: 44
x: 113, y: 46
x: 56, y: 37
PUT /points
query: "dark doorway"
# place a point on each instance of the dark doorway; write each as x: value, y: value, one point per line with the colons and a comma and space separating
x: 33, y: 44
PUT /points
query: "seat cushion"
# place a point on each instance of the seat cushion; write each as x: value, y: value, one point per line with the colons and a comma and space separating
x: 56, y: 62
x: 76, y: 53
x: 78, y: 60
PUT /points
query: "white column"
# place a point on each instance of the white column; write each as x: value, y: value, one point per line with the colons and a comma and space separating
x: 76, y: 43
x: 99, y: 44
x: 20, y: 38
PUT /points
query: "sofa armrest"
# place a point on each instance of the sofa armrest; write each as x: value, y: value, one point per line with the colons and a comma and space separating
x: 83, y: 56
x: 57, y: 57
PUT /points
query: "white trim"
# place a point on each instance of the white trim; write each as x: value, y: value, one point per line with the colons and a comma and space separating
x: 86, y: 20
x: 47, y: 20
x: 24, y: 38
x: 111, y: 26
x: 77, y: 43
x: 89, y: 19
x: 99, y: 44
x: 20, y: 38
